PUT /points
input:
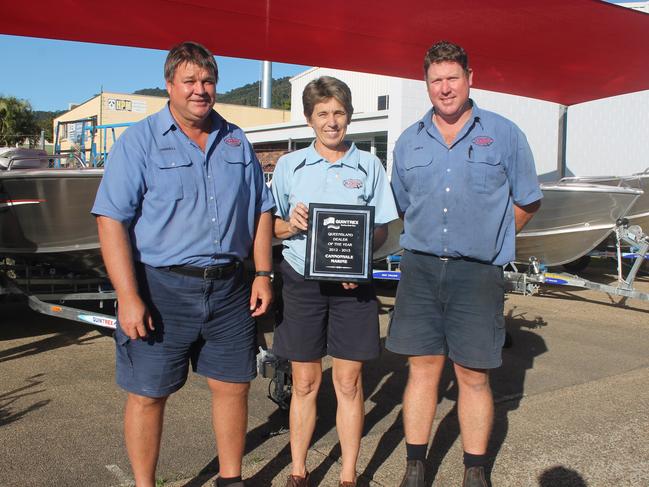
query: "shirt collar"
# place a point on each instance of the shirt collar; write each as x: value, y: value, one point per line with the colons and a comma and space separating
x: 166, y: 122
x: 427, y: 122
x: 350, y: 159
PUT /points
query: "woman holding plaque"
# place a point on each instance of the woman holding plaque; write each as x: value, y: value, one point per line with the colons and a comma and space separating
x: 321, y: 318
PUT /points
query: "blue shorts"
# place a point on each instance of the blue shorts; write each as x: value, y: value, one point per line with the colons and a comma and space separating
x: 449, y: 307
x: 203, y: 321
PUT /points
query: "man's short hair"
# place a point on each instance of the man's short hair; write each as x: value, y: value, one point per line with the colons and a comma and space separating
x: 193, y: 53
x: 323, y: 88
x: 446, y: 51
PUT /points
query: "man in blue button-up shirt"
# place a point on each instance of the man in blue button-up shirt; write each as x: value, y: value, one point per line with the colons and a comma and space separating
x: 465, y: 183
x: 181, y: 204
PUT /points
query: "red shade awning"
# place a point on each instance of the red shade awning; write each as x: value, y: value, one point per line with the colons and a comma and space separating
x: 566, y: 51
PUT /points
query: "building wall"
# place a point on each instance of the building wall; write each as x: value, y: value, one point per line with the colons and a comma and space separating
x: 609, y: 136
x: 116, y: 108
x: 603, y: 137
x: 365, y: 89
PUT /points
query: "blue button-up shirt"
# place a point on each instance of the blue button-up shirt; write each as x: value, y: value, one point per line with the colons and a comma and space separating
x: 184, y: 206
x: 458, y: 201
x: 305, y: 176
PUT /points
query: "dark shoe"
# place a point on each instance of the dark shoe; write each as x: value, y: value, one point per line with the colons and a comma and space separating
x: 474, y: 477
x: 297, y: 481
x: 344, y: 483
x: 414, y: 476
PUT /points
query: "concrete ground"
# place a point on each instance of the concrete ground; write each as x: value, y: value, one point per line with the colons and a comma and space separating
x: 572, y: 406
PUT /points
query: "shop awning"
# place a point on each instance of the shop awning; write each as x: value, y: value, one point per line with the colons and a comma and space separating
x: 566, y: 51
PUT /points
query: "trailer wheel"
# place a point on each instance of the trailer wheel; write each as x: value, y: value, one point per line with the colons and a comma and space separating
x: 577, y: 265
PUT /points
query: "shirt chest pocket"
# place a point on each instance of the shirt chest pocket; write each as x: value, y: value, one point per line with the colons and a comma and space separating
x: 485, y: 173
x: 419, y: 172
x: 173, y: 177
x: 236, y: 167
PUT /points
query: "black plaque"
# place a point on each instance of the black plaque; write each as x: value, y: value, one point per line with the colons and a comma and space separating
x: 339, y: 243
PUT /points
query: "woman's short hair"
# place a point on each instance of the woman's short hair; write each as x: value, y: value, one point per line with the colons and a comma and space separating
x: 324, y: 88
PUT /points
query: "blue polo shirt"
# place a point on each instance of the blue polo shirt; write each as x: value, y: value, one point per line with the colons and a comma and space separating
x: 184, y: 206
x: 305, y: 176
x: 458, y: 201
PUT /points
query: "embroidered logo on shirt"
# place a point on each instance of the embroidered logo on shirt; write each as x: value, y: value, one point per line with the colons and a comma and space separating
x: 233, y: 141
x: 420, y: 147
x: 353, y: 183
x: 167, y: 148
x: 483, y: 140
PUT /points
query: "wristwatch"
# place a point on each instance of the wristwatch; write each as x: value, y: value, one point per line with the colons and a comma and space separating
x: 270, y: 274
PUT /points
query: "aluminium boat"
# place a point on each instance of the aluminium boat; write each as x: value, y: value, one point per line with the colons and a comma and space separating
x: 639, y: 212
x: 45, y: 214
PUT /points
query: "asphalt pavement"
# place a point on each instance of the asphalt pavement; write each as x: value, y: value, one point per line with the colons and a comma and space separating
x: 572, y: 406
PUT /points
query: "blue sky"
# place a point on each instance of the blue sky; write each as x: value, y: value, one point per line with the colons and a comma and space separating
x: 50, y: 74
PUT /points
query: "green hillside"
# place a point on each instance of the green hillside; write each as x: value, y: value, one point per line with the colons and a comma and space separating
x: 244, y: 95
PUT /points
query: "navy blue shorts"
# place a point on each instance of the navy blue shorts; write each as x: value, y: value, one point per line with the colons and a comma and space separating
x: 205, y: 322
x: 449, y: 307
x: 322, y: 318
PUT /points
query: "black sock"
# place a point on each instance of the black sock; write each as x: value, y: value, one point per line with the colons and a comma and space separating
x: 471, y: 460
x: 416, y: 452
x: 223, y: 481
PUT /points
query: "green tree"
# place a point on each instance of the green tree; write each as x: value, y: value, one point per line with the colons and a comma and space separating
x: 17, y: 121
x: 44, y: 121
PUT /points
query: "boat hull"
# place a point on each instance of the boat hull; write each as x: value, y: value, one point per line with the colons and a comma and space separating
x: 574, y: 218
x: 45, y: 218
x: 639, y: 212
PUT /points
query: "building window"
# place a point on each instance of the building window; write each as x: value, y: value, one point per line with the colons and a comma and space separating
x: 383, y: 102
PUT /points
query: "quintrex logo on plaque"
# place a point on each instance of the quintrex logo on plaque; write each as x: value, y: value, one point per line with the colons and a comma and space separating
x: 339, y: 243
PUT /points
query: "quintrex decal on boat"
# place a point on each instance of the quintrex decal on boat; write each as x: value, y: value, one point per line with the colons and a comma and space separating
x: 7, y: 203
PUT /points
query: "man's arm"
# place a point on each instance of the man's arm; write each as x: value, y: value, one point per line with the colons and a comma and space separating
x: 523, y: 214
x: 262, y: 255
x: 132, y: 314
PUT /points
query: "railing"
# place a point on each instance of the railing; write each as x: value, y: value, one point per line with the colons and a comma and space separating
x: 79, y: 163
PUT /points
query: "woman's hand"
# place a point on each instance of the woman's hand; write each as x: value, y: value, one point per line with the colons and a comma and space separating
x: 298, y: 219
x: 349, y: 285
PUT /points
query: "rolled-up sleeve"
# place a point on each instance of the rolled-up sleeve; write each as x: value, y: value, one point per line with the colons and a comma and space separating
x: 400, y: 192
x: 123, y: 185
x: 521, y: 171
x: 264, y: 198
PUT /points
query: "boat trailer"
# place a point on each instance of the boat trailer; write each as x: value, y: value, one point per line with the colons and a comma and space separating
x: 48, y: 293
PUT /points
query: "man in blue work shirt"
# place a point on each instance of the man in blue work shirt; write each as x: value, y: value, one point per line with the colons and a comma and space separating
x: 181, y: 204
x: 465, y: 182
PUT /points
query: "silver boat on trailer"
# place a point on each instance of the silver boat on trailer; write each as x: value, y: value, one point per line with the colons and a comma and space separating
x: 639, y: 212
x: 49, y: 248
x: 575, y: 217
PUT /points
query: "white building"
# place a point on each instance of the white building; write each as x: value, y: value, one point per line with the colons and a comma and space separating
x: 609, y: 136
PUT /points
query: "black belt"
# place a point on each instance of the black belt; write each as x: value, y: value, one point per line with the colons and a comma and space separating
x: 221, y: 271
x: 448, y: 257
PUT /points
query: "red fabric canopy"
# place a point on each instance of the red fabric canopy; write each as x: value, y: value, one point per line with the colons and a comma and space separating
x: 566, y: 51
